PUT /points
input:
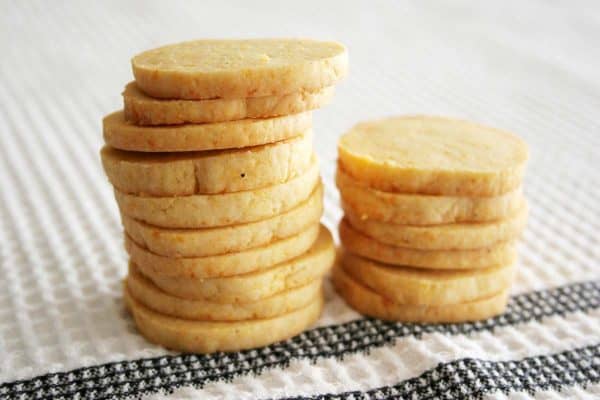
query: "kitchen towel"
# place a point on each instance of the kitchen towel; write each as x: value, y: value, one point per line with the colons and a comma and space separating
x: 528, y: 67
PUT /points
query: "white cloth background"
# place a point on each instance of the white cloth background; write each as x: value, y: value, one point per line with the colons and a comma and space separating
x: 529, y: 67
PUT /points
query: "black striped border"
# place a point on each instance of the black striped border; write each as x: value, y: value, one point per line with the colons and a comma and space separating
x: 142, y: 376
x: 471, y: 378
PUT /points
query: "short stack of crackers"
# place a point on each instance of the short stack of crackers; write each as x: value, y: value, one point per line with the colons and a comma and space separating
x: 219, y: 190
x: 433, y: 209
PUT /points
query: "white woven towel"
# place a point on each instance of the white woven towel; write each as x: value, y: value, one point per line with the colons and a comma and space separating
x: 529, y: 67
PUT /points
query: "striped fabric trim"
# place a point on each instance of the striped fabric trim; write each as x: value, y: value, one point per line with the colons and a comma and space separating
x: 142, y: 376
x: 473, y: 378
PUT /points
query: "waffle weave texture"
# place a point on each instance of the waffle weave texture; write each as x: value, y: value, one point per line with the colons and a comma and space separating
x: 528, y: 67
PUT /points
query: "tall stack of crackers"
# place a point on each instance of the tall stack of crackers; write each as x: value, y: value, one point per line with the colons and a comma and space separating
x: 219, y: 190
x: 433, y: 210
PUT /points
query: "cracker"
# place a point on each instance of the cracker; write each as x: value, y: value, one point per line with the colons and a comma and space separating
x: 212, y: 210
x: 210, y: 336
x: 433, y: 155
x: 370, y: 303
x: 227, y: 239
x: 253, y: 286
x: 124, y: 135
x: 207, y: 69
x: 415, y: 209
x: 219, y: 171
x: 282, y: 303
x: 459, y: 236
x: 417, y: 286
x: 223, y: 264
x: 499, y: 254
x: 142, y: 109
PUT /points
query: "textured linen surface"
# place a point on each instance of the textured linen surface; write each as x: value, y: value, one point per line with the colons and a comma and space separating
x: 529, y: 67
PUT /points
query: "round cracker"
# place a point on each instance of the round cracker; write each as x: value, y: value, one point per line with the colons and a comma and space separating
x: 252, y: 286
x: 433, y: 155
x: 224, y: 264
x: 226, y: 239
x: 210, y: 336
x: 404, y: 285
x: 212, y: 210
x: 355, y: 242
x: 415, y: 209
x: 370, y: 303
x: 152, y: 297
x: 124, y: 135
x: 460, y: 236
x: 141, y: 109
x: 220, y: 171
x: 208, y: 69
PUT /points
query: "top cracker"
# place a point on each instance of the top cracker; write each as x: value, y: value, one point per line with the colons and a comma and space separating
x: 207, y: 69
x: 433, y: 155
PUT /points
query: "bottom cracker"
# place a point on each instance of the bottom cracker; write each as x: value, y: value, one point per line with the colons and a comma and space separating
x: 209, y: 337
x: 373, y: 304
